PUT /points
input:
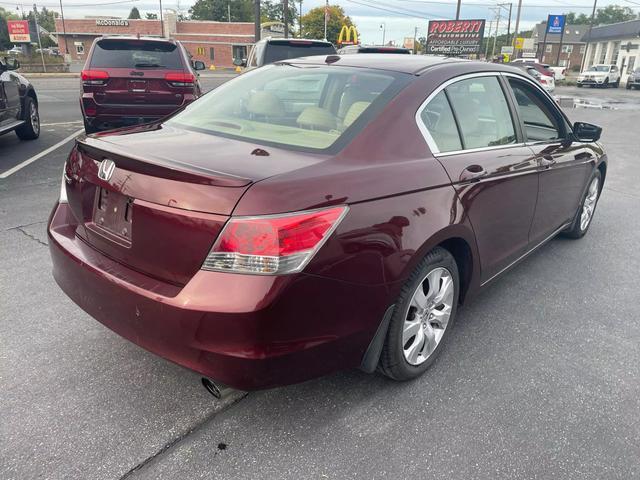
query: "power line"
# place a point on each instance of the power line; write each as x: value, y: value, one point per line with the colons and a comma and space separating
x: 412, y: 14
x: 470, y: 4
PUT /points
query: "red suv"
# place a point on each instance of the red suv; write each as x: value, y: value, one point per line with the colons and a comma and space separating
x: 130, y: 80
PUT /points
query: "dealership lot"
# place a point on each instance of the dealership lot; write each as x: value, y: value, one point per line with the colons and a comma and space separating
x: 540, y: 379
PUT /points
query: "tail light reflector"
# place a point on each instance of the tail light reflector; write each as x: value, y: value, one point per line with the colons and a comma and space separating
x: 94, y: 77
x: 179, y: 79
x: 272, y: 244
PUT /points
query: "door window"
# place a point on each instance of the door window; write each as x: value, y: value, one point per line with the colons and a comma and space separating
x: 482, y: 112
x: 540, y: 121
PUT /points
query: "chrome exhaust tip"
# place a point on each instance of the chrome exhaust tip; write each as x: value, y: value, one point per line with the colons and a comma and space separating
x: 217, y: 389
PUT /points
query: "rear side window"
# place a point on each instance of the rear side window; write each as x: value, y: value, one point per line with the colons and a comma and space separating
x: 438, y: 119
x: 277, y: 51
x: 482, y: 112
x: 136, y: 54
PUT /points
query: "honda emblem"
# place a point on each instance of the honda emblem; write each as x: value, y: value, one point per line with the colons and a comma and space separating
x: 105, y: 169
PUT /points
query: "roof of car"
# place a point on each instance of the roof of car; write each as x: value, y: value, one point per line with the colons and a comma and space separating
x: 135, y: 37
x: 396, y: 62
x: 294, y: 40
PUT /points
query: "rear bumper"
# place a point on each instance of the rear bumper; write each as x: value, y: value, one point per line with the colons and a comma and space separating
x: 107, y: 116
x: 247, y: 331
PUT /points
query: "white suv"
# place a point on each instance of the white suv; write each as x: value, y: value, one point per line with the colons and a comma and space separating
x: 600, y: 76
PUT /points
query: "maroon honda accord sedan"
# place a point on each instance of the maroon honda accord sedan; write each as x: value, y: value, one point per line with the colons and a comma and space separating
x: 320, y: 214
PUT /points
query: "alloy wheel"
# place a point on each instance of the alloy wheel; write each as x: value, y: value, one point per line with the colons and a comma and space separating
x: 589, y: 204
x: 428, y: 315
x: 34, y: 118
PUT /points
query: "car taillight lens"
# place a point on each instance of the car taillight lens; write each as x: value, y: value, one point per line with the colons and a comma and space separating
x: 179, y: 79
x: 94, y: 77
x: 273, y: 244
x: 542, y: 80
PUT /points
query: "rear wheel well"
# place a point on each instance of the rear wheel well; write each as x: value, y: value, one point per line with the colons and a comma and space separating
x: 603, y: 173
x: 461, y: 251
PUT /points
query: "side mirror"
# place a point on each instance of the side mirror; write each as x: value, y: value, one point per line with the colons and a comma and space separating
x: 12, y: 63
x: 239, y: 62
x: 586, y: 132
x: 198, y: 65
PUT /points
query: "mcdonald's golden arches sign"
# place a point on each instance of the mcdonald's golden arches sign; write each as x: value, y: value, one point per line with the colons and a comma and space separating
x: 348, y: 35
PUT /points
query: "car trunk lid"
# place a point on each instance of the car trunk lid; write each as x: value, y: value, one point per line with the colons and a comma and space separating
x: 155, y: 198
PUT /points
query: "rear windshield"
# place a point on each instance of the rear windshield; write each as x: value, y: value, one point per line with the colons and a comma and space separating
x: 276, y: 51
x: 136, y: 54
x: 309, y: 108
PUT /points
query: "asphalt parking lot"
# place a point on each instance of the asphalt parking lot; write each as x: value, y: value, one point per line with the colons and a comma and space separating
x: 540, y: 378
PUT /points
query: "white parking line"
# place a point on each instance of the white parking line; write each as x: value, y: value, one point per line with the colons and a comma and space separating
x: 29, y: 161
x: 60, y: 123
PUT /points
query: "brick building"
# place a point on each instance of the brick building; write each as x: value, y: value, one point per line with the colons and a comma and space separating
x: 571, y: 51
x: 215, y: 43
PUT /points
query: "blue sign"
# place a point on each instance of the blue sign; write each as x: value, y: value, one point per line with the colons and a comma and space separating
x: 555, y: 23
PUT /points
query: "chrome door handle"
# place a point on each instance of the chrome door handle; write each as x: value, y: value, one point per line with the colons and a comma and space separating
x: 473, y: 173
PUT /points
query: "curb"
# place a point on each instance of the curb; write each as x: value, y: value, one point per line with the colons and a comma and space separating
x: 50, y: 75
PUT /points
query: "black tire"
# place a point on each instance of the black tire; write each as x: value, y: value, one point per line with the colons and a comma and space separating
x: 628, y: 86
x: 616, y: 84
x: 575, y: 230
x: 579, y: 85
x: 89, y: 128
x: 393, y: 363
x: 30, y: 129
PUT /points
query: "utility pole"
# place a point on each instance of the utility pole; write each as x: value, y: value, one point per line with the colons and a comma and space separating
x: 486, y: 49
x: 326, y: 17
x: 161, y: 21
x: 285, y: 16
x: 515, y: 32
x: 383, y: 26
x: 415, y: 34
x: 35, y: 20
x: 64, y: 31
x: 300, y: 20
x: 458, y: 9
x: 495, y: 38
x: 256, y: 15
x: 560, y: 46
x: 593, y: 14
x: 509, y: 24
x: 229, y: 12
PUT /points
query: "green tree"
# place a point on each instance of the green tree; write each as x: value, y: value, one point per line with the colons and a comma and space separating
x: 575, y: 19
x: 4, y: 33
x: 614, y: 14
x: 219, y: 10
x: 151, y: 16
x: 313, y: 23
x: 47, y: 21
x: 134, y: 14
x: 273, y: 11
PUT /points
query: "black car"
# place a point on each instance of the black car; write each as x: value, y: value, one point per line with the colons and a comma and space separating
x: 18, y: 102
x: 271, y: 50
x: 633, y: 81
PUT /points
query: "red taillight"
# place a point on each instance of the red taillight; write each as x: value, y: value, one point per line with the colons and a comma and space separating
x: 94, y: 77
x: 180, y: 79
x: 272, y: 244
x: 542, y: 80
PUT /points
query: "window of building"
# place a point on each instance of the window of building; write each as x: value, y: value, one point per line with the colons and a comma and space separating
x: 583, y: 48
x: 239, y: 51
x: 212, y: 53
x: 567, y: 48
x: 603, y: 52
x: 632, y: 62
x: 563, y: 63
x: 549, y: 49
x: 200, y: 51
x: 482, y: 112
x: 79, y: 48
x: 616, y: 52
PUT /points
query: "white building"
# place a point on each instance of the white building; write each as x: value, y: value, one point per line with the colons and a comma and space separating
x: 618, y: 44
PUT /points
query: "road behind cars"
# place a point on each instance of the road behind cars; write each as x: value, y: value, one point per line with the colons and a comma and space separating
x: 539, y: 378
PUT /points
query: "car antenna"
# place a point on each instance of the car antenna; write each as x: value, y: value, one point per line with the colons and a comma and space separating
x: 332, y: 58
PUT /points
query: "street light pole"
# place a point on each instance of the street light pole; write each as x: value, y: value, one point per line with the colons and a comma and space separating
x: 300, y: 20
x: 285, y: 16
x: 515, y: 32
x: 161, y: 20
x: 256, y: 14
x: 383, y: 25
x: 458, y: 9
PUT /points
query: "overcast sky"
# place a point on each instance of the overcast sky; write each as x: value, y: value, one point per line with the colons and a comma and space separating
x: 400, y: 17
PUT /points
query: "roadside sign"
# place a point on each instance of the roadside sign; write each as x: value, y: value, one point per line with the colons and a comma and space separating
x: 519, y: 43
x: 528, y: 44
x: 454, y: 37
x: 18, y: 31
x: 528, y: 54
x: 507, y: 50
x: 555, y: 23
